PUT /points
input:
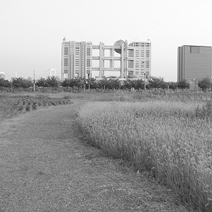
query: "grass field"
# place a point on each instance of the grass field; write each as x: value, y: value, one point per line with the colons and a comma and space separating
x: 169, y: 135
x: 172, y: 140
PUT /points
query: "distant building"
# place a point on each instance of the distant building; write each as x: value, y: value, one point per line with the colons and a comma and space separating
x: 2, y: 75
x: 194, y: 63
x: 52, y: 72
x: 30, y: 78
x: 77, y: 59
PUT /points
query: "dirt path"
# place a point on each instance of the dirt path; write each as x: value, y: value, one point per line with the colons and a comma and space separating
x: 45, y: 166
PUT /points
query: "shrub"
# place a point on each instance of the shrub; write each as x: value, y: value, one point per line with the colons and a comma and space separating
x: 34, y: 106
x: 28, y: 107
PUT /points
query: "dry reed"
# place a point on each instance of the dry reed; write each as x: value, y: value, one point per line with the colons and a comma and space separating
x: 165, y: 138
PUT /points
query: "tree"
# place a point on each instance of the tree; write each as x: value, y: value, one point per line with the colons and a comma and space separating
x: 164, y: 85
x: 138, y: 84
x: 172, y: 85
x: 204, y: 84
x: 183, y: 84
x: 113, y: 84
x: 157, y: 82
x: 128, y: 84
x: 103, y: 82
x: 5, y: 83
x: 41, y: 82
x: 93, y: 83
x: 21, y: 83
x: 52, y: 82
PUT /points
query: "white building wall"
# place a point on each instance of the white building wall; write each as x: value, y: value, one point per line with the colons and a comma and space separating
x: 77, y: 58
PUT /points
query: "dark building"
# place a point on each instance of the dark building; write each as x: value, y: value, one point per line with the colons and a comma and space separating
x: 194, y: 63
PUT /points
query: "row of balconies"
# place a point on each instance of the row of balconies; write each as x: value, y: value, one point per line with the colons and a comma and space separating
x: 105, y: 47
x: 110, y: 69
x: 111, y: 58
x: 111, y: 47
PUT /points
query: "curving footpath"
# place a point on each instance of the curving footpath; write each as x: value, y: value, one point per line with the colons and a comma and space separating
x: 46, y: 166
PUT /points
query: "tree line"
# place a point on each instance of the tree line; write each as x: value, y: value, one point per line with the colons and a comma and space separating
x: 104, y: 83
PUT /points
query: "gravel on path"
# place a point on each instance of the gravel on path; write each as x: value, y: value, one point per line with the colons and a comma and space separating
x: 46, y: 166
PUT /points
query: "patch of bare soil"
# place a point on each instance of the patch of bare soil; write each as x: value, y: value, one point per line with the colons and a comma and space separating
x: 47, y: 166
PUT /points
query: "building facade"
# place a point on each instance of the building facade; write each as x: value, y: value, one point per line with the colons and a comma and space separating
x: 194, y: 63
x: 77, y: 59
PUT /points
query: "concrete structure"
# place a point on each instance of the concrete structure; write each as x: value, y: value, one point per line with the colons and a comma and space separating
x: 2, y: 75
x: 77, y: 59
x: 194, y: 63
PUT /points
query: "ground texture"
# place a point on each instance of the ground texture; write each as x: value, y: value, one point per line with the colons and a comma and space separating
x: 46, y: 166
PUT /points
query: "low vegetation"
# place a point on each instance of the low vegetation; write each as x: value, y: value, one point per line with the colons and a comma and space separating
x: 172, y: 140
x: 11, y: 105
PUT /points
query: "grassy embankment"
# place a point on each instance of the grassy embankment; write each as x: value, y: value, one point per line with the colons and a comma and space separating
x: 172, y: 140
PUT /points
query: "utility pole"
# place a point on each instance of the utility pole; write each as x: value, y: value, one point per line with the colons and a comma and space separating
x: 89, y: 86
x: 34, y: 82
x: 145, y: 81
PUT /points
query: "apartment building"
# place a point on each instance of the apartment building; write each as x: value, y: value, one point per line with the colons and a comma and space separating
x: 77, y: 59
x: 194, y: 63
x: 139, y: 59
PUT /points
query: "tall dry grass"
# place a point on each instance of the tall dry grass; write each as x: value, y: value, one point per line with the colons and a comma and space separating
x: 169, y: 139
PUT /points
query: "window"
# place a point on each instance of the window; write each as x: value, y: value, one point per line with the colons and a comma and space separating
x: 65, y: 50
x: 88, y: 51
x: 77, y: 62
x: 88, y: 63
x: 130, y: 73
x: 65, y: 61
x: 131, y: 53
x: 137, y: 73
x: 147, y: 53
x: 65, y: 71
x: 137, y: 53
x: 137, y: 64
x: 147, y: 64
x: 77, y: 50
x: 130, y: 64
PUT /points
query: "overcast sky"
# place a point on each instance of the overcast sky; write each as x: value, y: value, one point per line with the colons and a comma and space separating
x: 31, y: 31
